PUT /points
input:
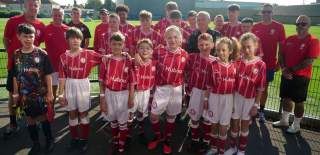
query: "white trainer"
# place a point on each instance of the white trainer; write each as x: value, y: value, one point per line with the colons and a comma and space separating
x: 240, y: 153
x: 293, y: 129
x: 231, y: 151
x: 280, y: 124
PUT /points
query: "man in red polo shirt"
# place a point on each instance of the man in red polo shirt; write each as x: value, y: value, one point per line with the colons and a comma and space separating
x: 271, y: 34
x: 11, y: 43
x: 100, y: 29
x: 56, y: 44
x: 296, y: 58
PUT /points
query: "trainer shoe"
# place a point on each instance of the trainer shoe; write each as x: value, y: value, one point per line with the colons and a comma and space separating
x: 153, y: 143
x: 166, y: 147
x: 262, y: 118
x: 83, y: 143
x: 35, y: 150
x: 240, y: 153
x: 49, y: 146
x: 74, y: 143
x: 280, y: 124
x: 293, y: 129
x: 204, y: 147
x: 231, y: 151
x: 193, y: 146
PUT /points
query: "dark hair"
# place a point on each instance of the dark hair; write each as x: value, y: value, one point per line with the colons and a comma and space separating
x: 122, y: 7
x: 234, y: 7
x: 26, y: 29
x: 117, y: 36
x: 267, y: 5
x: 192, y: 13
x: 175, y: 14
x: 247, y: 20
x: 171, y: 6
x: 145, y: 41
x: 74, y: 32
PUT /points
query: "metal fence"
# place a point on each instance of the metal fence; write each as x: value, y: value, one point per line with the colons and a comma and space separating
x: 312, y: 105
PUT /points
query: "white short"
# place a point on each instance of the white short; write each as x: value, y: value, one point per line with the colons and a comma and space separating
x: 242, y: 107
x: 219, y: 108
x: 141, y: 101
x: 167, y: 98
x: 195, y: 108
x: 77, y: 92
x: 117, y: 105
x: 55, y: 78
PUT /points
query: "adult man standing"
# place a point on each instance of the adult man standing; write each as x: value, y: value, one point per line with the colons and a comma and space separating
x: 55, y: 31
x: 11, y: 43
x: 296, y: 58
x: 203, y: 20
x: 76, y: 22
x: 271, y: 35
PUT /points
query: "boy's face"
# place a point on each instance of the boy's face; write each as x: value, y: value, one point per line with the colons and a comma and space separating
x: 248, y: 48
x: 218, y: 22
x: 26, y: 39
x: 114, y: 24
x: 246, y: 27
x: 205, y: 46
x: 57, y: 17
x: 173, y: 39
x: 75, y: 15
x: 116, y: 46
x: 123, y: 16
x: 223, y: 51
x: 145, y: 51
x: 175, y: 22
x: 104, y: 17
x: 74, y: 42
x: 145, y: 22
x: 192, y: 20
x: 233, y: 15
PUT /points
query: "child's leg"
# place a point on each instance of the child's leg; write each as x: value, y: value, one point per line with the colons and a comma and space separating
x: 194, y: 130
x: 244, y: 135
x: 214, y: 137
x: 206, y: 125
x: 84, y: 125
x: 114, y: 132
x: 33, y: 132
x: 234, y: 132
x: 169, y: 127
x: 155, y: 124
x: 140, y: 119
x: 73, y: 124
x: 222, y: 138
x: 122, y: 136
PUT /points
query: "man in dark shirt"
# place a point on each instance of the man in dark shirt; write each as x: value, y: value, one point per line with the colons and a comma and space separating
x: 203, y: 20
x: 76, y: 22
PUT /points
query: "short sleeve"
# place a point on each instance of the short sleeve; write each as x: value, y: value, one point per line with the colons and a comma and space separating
x: 314, y: 48
x: 102, y: 71
x: 282, y: 34
x: 96, y: 58
x: 86, y: 33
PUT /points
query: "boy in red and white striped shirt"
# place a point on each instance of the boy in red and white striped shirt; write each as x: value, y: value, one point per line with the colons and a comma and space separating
x: 117, y: 81
x: 221, y: 81
x: 125, y: 27
x: 232, y: 28
x: 74, y: 86
x: 197, y: 70
x: 168, y: 94
x: 251, y: 80
x: 145, y: 30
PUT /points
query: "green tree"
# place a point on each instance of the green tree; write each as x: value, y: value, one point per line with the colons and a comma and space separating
x: 93, y: 4
x: 109, y: 5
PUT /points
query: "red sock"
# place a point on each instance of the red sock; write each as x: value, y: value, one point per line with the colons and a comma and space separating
x: 214, y: 141
x: 222, y: 144
x: 233, y: 139
x: 122, y: 139
x: 168, y: 130
x: 114, y: 132
x: 84, y: 131
x: 156, y: 129
x: 74, y: 131
x: 206, y: 130
x: 195, y: 133
x: 243, y: 142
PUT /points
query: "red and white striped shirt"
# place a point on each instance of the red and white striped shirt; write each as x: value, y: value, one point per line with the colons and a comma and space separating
x: 197, y: 69
x: 171, y: 66
x: 145, y: 74
x: 99, y: 31
x: 117, y: 73
x: 251, y: 76
x: 105, y: 44
x: 154, y: 36
x: 222, y: 77
x: 126, y: 28
x: 78, y: 65
x: 164, y: 23
x: 231, y: 31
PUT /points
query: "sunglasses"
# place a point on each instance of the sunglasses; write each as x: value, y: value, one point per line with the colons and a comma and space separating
x: 266, y: 12
x: 303, y: 24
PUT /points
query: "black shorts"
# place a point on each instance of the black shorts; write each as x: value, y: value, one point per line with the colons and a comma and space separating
x: 295, y: 89
x: 35, y: 107
x: 9, y: 85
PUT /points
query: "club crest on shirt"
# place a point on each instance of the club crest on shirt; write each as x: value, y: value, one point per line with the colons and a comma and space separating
x: 154, y: 105
x: 38, y: 32
x: 302, y: 46
x: 153, y: 68
x: 183, y: 59
x: 83, y: 60
x: 272, y: 31
x: 126, y: 69
x: 255, y: 70
x: 37, y: 59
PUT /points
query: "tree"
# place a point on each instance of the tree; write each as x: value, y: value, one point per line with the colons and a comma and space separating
x: 109, y: 5
x: 93, y: 4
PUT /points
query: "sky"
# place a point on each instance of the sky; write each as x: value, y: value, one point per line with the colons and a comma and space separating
x: 280, y: 2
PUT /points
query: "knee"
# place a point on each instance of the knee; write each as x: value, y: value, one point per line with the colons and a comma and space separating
x: 171, y: 119
x: 84, y: 120
x: 154, y: 118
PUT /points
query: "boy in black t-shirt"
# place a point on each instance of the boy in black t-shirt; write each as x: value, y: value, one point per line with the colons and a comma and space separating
x: 32, y: 86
